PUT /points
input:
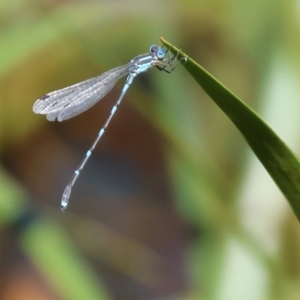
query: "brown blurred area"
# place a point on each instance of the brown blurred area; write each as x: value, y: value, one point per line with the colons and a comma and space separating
x: 123, y: 186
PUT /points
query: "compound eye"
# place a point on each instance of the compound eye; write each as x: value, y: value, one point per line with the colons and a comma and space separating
x: 153, y: 48
x: 160, y: 53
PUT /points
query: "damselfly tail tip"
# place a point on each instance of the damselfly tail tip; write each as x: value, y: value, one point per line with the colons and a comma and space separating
x: 65, y: 198
x: 64, y: 203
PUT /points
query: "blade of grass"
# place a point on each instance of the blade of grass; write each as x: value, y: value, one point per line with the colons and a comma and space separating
x: 272, y: 152
x: 54, y: 255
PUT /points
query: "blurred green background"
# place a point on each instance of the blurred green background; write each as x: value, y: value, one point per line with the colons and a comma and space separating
x: 172, y: 204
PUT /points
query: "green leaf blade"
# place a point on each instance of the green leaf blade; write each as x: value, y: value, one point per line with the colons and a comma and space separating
x: 276, y: 157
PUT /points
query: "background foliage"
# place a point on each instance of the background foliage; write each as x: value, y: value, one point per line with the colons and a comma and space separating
x: 173, y: 203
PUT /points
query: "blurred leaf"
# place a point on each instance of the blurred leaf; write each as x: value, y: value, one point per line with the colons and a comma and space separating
x: 276, y: 157
x: 53, y: 254
x: 12, y: 199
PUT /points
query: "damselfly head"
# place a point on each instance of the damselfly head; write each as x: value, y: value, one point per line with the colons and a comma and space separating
x: 158, y: 51
x: 153, y: 48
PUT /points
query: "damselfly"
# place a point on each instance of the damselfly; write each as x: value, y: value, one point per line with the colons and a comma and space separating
x: 75, y: 99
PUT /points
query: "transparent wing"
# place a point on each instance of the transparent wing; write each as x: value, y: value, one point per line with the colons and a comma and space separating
x: 75, y: 99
